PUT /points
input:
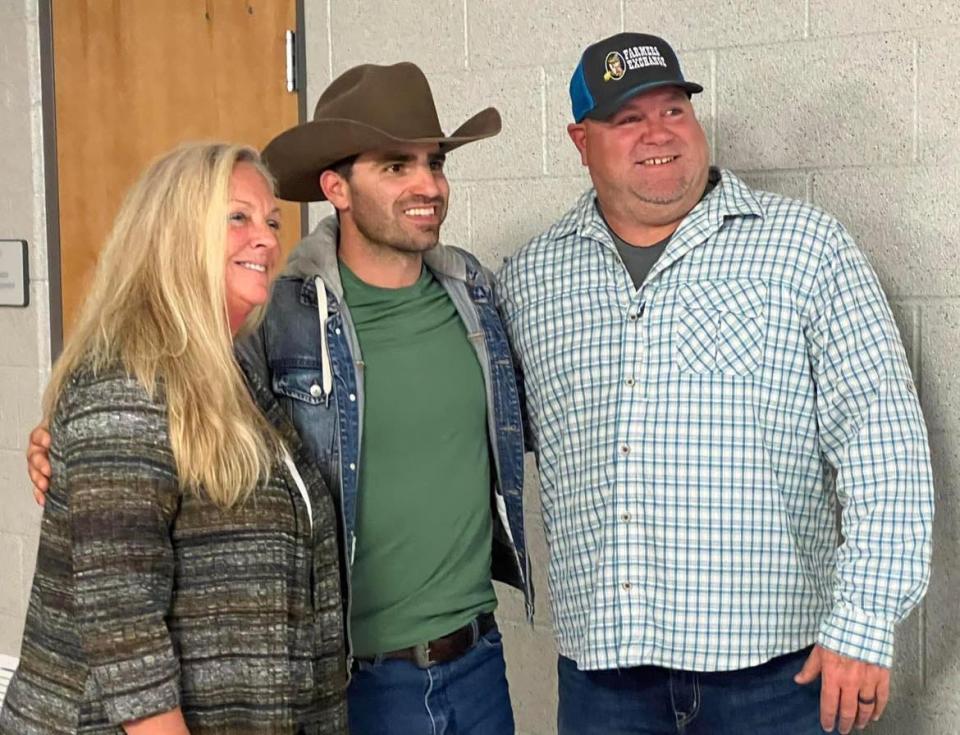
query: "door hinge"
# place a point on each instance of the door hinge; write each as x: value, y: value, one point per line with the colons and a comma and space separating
x: 291, y: 61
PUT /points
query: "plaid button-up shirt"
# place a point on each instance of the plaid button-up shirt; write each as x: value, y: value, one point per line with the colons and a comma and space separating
x: 686, y: 431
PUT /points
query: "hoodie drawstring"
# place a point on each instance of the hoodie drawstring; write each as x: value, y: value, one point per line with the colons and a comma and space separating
x: 327, y: 374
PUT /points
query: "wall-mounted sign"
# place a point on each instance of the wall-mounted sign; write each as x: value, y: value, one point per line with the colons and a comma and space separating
x: 13, y: 273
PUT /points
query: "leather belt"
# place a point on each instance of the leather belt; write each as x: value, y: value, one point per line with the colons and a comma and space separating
x: 445, y: 649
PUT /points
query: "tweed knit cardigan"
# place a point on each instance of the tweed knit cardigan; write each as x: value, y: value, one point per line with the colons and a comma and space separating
x: 146, y: 597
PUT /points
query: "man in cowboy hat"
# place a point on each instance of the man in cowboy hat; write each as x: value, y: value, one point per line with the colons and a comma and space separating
x: 386, y: 350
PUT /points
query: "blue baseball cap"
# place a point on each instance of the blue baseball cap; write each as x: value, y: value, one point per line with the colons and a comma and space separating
x: 615, y: 69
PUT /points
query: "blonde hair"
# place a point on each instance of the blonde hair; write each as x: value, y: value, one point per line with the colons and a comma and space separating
x: 157, y: 306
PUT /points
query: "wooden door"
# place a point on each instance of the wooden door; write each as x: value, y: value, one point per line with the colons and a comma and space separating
x: 135, y: 77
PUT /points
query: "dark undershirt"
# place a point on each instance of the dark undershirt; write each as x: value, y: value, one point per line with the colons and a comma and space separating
x: 640, y: 259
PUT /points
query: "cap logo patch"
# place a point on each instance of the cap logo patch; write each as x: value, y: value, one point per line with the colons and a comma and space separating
x: 615, y: 66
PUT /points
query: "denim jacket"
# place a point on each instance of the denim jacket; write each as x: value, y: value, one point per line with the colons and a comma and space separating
x: 307, y: 350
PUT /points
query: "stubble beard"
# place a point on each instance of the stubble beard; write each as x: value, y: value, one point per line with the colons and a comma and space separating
x: 683, y: 195
x: 383, y: 229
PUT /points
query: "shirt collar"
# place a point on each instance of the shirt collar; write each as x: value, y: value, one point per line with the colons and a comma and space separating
x: 730, y: 198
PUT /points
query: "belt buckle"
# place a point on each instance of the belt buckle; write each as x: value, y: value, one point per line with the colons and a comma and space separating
x: 421, y: 655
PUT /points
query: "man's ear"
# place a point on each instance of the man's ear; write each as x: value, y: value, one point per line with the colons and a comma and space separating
x: 336, y: 189
x: 578, y: 134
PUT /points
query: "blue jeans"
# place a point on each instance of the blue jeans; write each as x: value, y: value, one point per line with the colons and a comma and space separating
x: 649, y: 700
x: 467, y: 696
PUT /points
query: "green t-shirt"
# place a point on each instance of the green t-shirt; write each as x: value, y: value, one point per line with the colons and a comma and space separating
x: 422, y: 562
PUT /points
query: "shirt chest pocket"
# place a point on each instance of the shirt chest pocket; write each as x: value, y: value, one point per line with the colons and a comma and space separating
x: 721, y: 327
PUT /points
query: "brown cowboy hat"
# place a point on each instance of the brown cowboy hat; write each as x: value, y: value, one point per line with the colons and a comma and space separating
x: 365, y: 108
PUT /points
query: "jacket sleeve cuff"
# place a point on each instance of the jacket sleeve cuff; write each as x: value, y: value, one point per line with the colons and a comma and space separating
x: 851, y: 632
x: 136, y: 697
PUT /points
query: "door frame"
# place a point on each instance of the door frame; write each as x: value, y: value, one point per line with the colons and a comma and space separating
x: 51, y: 173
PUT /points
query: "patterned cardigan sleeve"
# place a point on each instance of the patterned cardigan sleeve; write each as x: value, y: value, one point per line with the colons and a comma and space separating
x: 121, y: 490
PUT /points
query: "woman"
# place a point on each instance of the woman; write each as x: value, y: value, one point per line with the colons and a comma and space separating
x: 187, y: 577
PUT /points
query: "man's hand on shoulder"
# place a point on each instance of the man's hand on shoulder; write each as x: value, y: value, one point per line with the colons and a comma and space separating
x: 38, y: 462
x: 852, y: 691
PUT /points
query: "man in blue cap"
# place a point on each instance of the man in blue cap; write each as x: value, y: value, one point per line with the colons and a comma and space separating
x: 709, y: 371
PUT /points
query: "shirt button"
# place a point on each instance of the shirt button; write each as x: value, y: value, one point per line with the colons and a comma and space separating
x: 624, y: 517
x: 630, y: 382
x: 337, y: 330
x: 626, y: 585
x: 353, y: 466
x: 353, y: 396
x: 624, y: 449
x: 316, y: 391
x: 633, y: 317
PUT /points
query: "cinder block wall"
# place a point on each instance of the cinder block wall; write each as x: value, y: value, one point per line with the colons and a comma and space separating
x: 847, y: 103
x: 24, y: 343
x: 850, y: 104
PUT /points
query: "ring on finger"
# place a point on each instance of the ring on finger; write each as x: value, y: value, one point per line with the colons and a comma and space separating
x: 867, y: 702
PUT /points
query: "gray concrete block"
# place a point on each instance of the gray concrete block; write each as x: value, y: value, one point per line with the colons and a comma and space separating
x: 517, y: 151
x: 699, y: 66
x: 906, y: 316
x: 532, y: 675
x: 510, y: 606
x: 456, y: 227
x: 21, y: 514
x: 13, y: 44
x: 940, y: 379
x: 838, y: 102
x: 908, y: 656
x: 40, y: 302
x: 14, y: 9
x: 317, y: 52
x: 531, y: 484
x: 923, y: 714
x: 16, y: 109
x: 21, y: 333
x: 37, y: 245
x: 793, y: 184
x: 939, y: 113
x: 12, y: 600
x: 692, y: 24
x: 507, y: 35
x: 506, y: 214
x: 832, y: 18
x: 905, y: 219
x: 16, y: 219
x: 317, y: 211
x: 429, y: 33
x: 19, y: 405
x: 562, y: 158
x: 11, y: 630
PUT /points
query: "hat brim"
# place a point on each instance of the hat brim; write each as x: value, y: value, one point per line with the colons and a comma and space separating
x: 606, y: 109
x: 298, y: 155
